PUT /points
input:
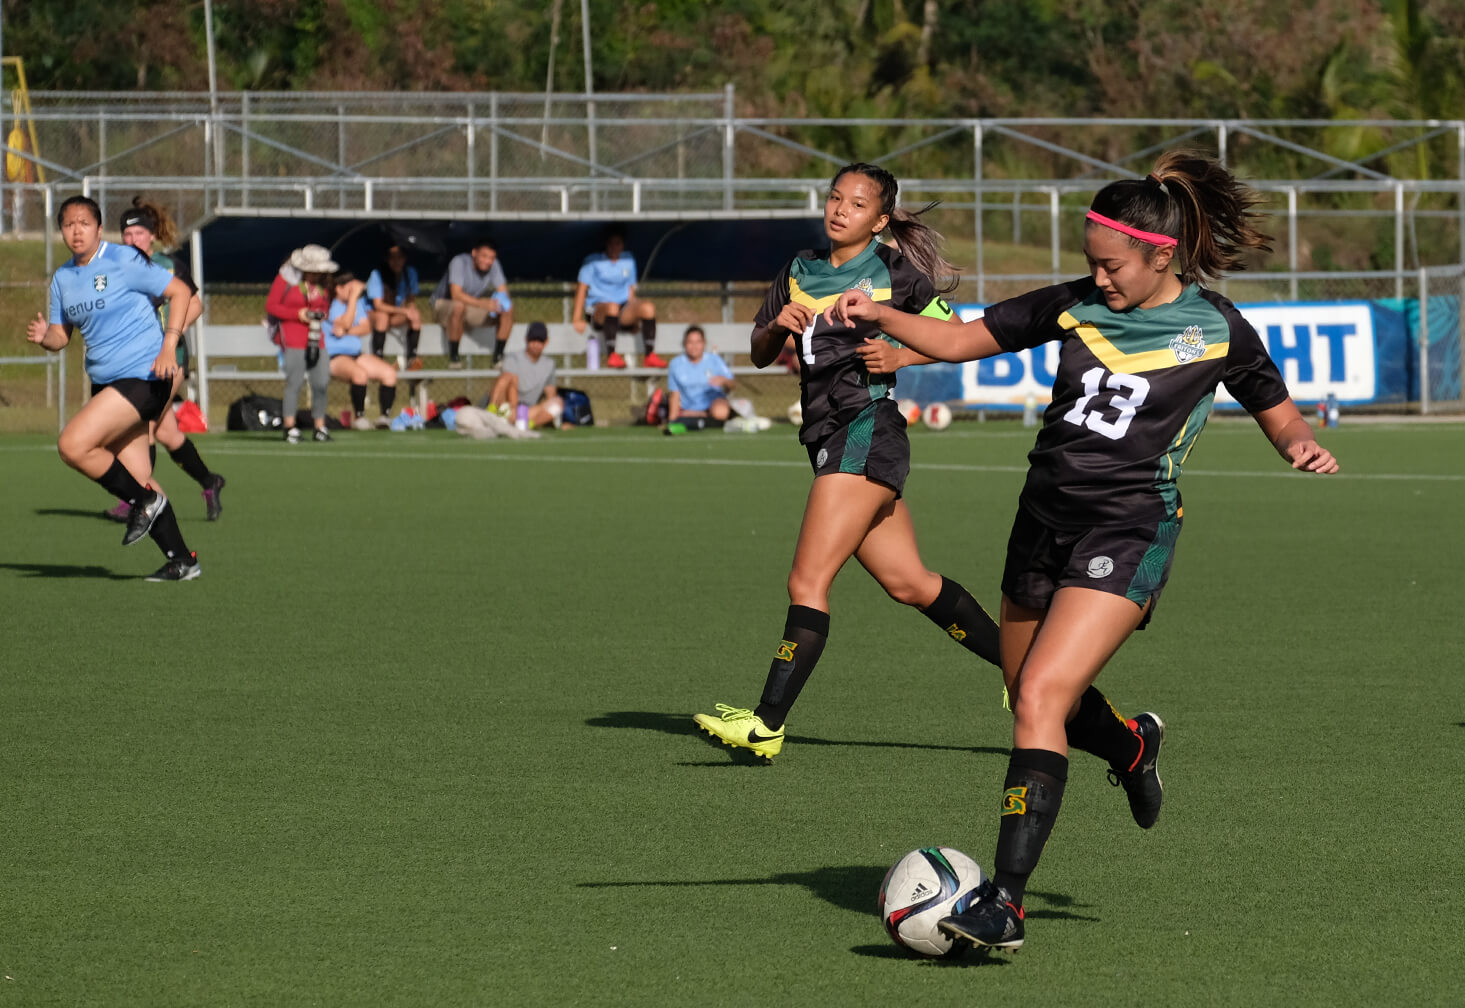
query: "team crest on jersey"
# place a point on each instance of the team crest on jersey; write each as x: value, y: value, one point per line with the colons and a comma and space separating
x: 1189, y: 345
x: 99, y: 282
x: 821, y: 458
x: 866, y: 286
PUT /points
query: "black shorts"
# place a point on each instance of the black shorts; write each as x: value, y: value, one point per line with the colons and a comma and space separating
x: 149, y: 396
x: 874, y: 444
x: 630, y: 325
x: 1129, y: 561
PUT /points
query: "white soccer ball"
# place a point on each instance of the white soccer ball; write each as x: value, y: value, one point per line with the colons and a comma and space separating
x: 796, y: 414
x: 937, y: 416
x: 920, y: 889
x: 911, y: 410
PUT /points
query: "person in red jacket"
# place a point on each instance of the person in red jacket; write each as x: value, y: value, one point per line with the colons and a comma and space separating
x: 298, y: 303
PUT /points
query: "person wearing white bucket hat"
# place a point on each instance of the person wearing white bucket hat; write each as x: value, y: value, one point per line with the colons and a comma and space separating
x: 299, y: 302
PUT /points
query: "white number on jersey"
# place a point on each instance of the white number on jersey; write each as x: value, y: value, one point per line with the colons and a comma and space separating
x: 1128, y: 394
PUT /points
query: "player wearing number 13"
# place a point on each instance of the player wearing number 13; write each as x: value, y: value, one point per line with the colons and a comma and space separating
x: 1142, y: 352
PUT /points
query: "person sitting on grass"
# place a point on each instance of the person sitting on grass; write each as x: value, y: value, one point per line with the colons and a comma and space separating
x: 697, y: 385
x: 528, y: 377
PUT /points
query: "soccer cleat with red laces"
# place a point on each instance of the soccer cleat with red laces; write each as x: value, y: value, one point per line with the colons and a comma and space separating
x: 991, y: 922
x: 1142, y: 780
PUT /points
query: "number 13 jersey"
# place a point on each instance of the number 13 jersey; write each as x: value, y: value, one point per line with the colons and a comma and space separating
x: 1132, y: 392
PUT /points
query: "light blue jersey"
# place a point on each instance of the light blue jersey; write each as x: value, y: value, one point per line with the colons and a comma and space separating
x: 610, y: 280
x: 110, y: 300
x: 343, y: 345
x: 406, y: 286
x: 691, y: 380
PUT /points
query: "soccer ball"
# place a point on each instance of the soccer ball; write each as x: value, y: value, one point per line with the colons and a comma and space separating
x: 937, y: 416
x: 920, y: 889
x: 796, y: 413
x: 911, y: 410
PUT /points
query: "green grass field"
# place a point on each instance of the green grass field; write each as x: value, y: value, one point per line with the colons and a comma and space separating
x: 421, y: 735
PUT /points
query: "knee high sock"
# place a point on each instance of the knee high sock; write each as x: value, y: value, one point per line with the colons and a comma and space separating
x: 648, y: 335
x: 608, y: 330
x: 120, y: 483
x: 804, y: 632
x: 414, y: 336
x: 379, y: 342
x: 965, y: 621
x: 187, y: 458
x: 388, y: 395
x: 1031, y: 796
x: 498, y: 349
x: 166, y: 534
x: 1099, y: 729
x: 358, y: 399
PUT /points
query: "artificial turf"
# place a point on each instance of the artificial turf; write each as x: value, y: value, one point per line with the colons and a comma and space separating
x: 421, y: 734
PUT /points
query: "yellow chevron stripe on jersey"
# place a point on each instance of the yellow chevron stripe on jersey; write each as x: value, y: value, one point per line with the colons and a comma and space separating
x: 1119, y: 362
x: 798, y: 295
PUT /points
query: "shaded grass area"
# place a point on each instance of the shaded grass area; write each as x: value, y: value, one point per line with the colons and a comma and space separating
x: 420, y: 735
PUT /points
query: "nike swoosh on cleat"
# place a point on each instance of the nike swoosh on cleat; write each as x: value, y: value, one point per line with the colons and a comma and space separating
x: 753, y: 736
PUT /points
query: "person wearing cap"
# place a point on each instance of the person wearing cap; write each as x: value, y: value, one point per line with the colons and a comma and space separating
x: 301, y: 306
x: 472, y: 291
x: 149, y: 229
x: 528, y: 378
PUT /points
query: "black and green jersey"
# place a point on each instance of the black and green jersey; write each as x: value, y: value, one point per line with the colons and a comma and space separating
x: 1132, y: 392
x: 178, y: 269
x: 834, y: 385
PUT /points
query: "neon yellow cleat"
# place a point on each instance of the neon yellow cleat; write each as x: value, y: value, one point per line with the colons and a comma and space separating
x: 740, y: 727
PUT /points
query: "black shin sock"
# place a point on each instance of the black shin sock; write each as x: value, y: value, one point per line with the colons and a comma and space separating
x: 120, y: 483
x: 498, y: 348
x: 648, y: 336
x: 1099, y: 729
x: 413, y: 335
x: 187, y: 458
x: 453, y: 346
x: 379, y: 342
x: 965, y: 621
x: 167, y: 535
x: 804, y: 632
x: 608, y: 330
x: 358, y: 399
x: 388, y: 395
x: 1031, y: 796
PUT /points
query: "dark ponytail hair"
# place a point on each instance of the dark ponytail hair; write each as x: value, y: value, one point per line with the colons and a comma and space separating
x: 917, y: 241
x: 85, y: 201
x: 1192, y: 198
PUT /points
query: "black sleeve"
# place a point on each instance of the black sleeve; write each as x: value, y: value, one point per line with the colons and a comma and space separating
x: 1031, y: 319
x: 775, y: 299
x: 910, y: 290
x: 1251, y: 374
x: 182, y: 272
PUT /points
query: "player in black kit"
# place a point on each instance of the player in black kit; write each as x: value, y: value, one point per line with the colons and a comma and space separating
x: 855, y: 437
x: 1143, y: 349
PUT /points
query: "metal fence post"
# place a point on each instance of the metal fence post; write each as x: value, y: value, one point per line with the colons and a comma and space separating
x: 1423, y: 343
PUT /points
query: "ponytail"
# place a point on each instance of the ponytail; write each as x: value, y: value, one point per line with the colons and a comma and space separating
x: 1195, y: 200
x: 916, y: 240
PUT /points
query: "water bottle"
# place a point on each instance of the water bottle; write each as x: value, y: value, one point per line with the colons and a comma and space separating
x: 1332, y: 410
x: 521, y: 420
x: 1030, y: 411
x: 592, y: 353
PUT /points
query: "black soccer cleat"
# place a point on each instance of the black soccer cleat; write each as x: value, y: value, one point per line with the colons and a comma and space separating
x: 142, y: 515
x: 213, y: 506
x: 1142, y: 780
x: 184, y: 568
x: 992, y: 922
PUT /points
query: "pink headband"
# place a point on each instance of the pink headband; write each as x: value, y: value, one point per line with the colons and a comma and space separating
x: 1144, y: 236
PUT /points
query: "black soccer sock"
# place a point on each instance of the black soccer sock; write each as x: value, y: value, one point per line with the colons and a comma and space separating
x: 388, y: 395
x: 648, y: 336
x: 358, y: 399
x: 498, y: 349
x: 167, y: 535
x: 965, y: 621
x: 453, y: 349
x: 413, y: 335
x: 608, y: 330
x: 187, y: 458
x: 379, y: 342
x: 120, y: 483
x: 1101, y: 730
x: 1031, y: 795
x: 804, y: 632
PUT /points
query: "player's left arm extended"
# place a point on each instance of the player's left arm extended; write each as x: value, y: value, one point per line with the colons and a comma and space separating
x: 935, y: 338
x: 1291, y: 435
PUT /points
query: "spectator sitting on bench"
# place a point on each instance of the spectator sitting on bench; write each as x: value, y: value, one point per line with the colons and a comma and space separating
x: 473, y: 291
x: 697, y: 384
x: 606, y: 298
x: 528, y: 377
x: 350, y: 320
x: 391, y: 292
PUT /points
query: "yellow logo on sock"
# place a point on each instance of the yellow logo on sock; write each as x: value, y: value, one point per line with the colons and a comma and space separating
x: 956, y: 632
x: 786, y: 651
x: 1015, y: 801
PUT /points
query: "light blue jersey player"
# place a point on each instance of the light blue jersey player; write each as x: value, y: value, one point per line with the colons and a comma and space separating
x: 110, y: 300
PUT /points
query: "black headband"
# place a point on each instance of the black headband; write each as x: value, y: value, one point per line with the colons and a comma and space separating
x: 139, y: 215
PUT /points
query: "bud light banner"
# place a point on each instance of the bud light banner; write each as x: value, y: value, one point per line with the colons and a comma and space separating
x: 1354, y: 350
